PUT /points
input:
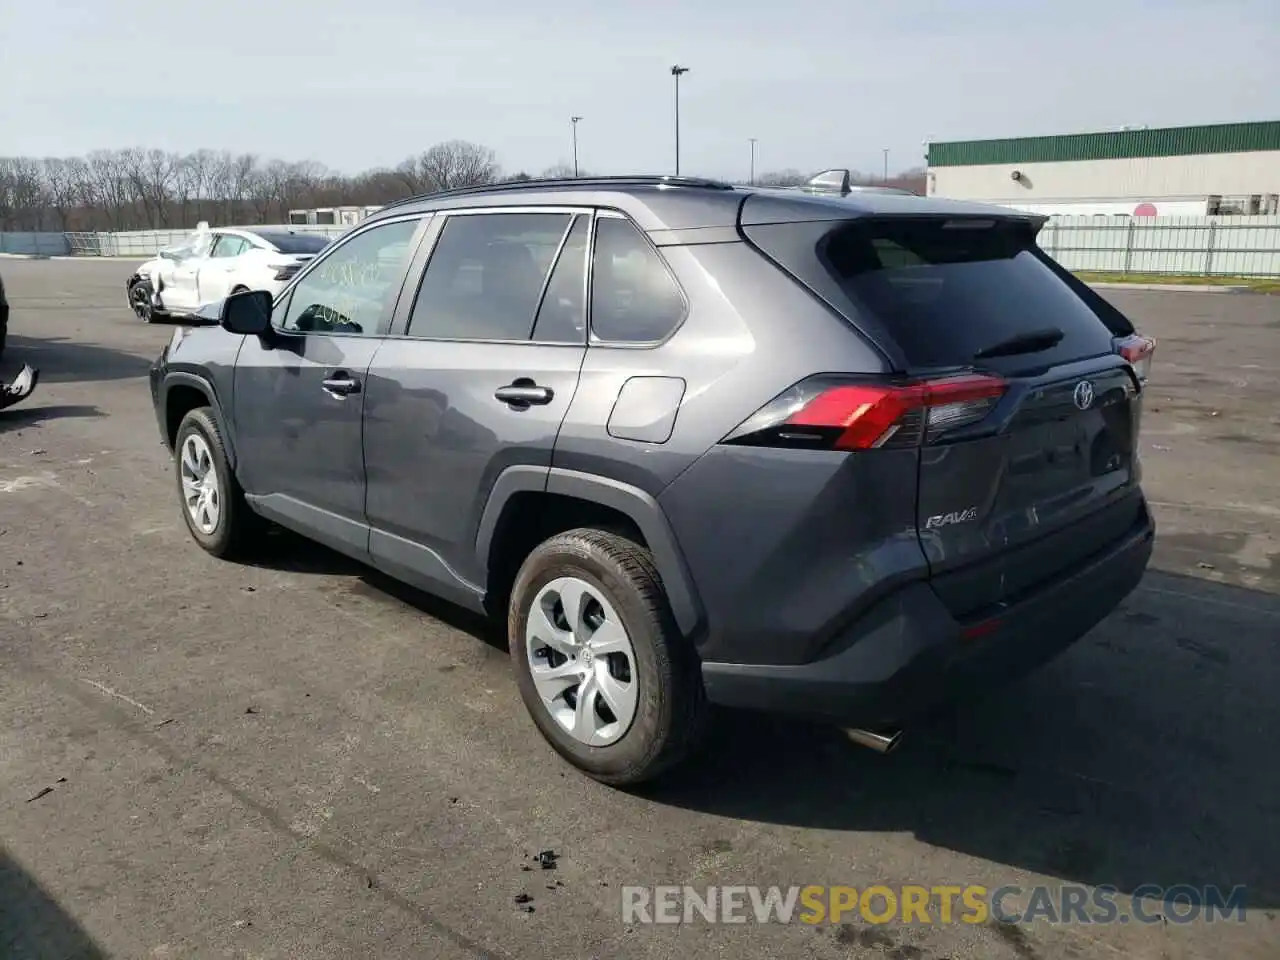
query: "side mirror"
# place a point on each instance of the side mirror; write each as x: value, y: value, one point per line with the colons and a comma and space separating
x: 247, y: 313
x: 168, y: 255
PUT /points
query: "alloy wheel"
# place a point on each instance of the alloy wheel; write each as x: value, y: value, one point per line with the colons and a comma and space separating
x: 140, y: 300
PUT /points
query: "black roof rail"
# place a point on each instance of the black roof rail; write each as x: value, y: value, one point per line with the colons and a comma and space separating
x: 626, y: 180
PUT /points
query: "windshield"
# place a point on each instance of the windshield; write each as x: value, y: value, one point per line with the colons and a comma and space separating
x: 296, y: 242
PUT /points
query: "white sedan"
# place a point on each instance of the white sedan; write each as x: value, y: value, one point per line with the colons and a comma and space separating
x: 212, y: 264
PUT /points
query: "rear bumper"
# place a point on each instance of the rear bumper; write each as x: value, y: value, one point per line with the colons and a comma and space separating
x: 911, y: 656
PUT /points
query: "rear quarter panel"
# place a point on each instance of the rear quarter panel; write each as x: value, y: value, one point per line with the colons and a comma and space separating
x: 749, y: 333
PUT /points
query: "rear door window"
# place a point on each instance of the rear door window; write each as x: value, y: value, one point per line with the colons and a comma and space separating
x: 942, y: 289
x: 486, y: 276
x: 562, y: 316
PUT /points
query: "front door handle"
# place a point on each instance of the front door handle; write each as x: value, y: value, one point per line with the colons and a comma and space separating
x: 340, y: 385
x: 524, y: 392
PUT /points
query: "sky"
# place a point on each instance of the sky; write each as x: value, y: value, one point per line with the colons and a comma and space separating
x: 354, y: 84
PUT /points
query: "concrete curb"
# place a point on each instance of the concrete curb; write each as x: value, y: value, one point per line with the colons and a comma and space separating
x: 139, y: 258
x: 1171, y: 287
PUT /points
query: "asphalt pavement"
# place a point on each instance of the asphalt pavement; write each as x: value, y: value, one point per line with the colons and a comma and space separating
x: 300, y: 759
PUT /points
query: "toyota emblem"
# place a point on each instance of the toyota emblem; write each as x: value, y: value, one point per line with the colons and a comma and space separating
x: 1083, y: 395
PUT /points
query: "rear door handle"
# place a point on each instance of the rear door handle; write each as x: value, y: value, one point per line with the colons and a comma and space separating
x: 341, y: 385
x: 524, y: 392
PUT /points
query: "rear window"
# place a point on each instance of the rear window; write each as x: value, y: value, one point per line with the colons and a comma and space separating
x: 941, y: 289
x: 296, y: 242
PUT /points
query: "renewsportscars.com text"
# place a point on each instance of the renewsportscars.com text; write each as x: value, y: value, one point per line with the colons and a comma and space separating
x: 937, y: 904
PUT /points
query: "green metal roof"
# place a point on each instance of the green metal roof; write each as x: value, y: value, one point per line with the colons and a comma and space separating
x: 1113, y: 145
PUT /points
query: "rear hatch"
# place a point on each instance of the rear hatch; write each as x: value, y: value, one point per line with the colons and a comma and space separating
x: 1006, y: 379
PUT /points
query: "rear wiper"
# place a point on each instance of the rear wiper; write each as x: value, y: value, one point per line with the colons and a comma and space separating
x: 1030, y: 342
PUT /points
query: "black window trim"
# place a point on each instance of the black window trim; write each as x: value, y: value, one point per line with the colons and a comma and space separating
x: 424, y: 219
x: 596, y: 342
x: 403, y: 330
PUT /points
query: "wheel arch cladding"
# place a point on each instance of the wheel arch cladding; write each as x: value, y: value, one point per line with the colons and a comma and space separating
x: 613, y: 496
x: 184, y: 392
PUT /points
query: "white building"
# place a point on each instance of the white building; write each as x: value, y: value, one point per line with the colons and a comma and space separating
x: 1228, y: 168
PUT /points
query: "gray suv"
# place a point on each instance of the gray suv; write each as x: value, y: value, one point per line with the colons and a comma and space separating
x: 834, y: 456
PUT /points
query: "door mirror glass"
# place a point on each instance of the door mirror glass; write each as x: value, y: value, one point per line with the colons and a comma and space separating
x: 247, y: 312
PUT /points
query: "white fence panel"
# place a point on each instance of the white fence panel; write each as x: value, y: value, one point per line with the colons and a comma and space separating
x: 1231, y: 246
x: 1247, y: 246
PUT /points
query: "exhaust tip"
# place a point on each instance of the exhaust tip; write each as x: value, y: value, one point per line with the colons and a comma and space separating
x: 880, y: 742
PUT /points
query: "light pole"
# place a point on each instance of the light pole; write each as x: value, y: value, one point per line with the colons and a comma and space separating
x: 676, y: 72
x: 885, y: 151
x: 752, y: 181
x: 574, y: 122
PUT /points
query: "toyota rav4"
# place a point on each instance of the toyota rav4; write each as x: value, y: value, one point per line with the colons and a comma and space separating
x: 838, y: 456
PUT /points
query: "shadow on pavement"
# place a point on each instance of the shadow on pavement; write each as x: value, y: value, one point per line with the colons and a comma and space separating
x: 286, y: 550
x: 1144, y: 754
x: 33, y: 925
x: 18, y: 417
x: 60, y: 360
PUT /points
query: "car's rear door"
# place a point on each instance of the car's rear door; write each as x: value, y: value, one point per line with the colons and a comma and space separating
x: 1027, y: 420
x: 476, y: 379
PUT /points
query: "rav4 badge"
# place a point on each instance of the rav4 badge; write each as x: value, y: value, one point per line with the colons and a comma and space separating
x: 946, y: 519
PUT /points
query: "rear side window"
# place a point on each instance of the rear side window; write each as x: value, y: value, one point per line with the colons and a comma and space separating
x: 942, y: 289
x: 485, y: 278
x: 634, y: 298
x: 296, y: 242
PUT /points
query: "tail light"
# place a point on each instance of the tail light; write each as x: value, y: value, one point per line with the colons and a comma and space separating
x: 284, y: 271
x: 827, y: 413
x: 1138, y: 351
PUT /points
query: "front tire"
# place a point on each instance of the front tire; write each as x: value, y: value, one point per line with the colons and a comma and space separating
x: 602, y: 668
x: 213, y: 504
x: 141, y: 301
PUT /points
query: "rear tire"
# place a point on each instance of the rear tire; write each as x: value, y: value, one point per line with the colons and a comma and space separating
x: 618, y: 596
x: 212, y: 502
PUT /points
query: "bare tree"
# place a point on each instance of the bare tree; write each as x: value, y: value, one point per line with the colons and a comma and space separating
x: 445, y: 166
x: 109, y: 183
x: 140, y: 188
x: 60, y: 185
x: 559, y: 171
x: 790, y: 177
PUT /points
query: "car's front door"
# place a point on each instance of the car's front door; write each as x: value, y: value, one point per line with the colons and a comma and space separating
x: 299, y: 394
x: 181, y: 291
x: 216, y: 275
x: 476, y: 378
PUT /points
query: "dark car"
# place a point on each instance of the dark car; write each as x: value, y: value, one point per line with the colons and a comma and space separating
x: 4, y: 317
x: 842, y: 457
